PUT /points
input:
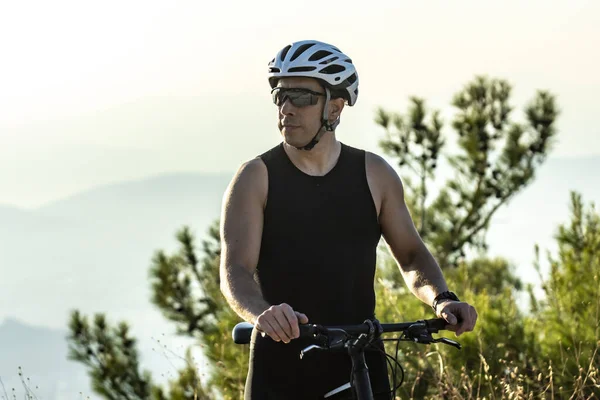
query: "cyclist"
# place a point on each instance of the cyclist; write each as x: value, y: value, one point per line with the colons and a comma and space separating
x: 299, y: 229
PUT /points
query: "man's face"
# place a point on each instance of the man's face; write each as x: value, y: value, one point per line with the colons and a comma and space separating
x: 298, y: 125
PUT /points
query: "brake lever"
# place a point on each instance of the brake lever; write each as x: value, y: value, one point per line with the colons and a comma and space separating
x: 417, y: 334
x: 310, y: 348
x: 448, y: 342
x: 322, y: 343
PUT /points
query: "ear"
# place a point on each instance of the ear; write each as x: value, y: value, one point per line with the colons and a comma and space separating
x: 335, y: 108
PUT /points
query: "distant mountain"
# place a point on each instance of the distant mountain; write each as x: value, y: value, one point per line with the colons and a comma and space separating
x: 82, y: 251
x: 26, y: 221
x: 11, y: 213
x: 181, y: 193
x: 41, y: 353
x: 92, y: 252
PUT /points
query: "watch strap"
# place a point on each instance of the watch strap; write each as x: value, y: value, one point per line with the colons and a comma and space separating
x: 443, y: 296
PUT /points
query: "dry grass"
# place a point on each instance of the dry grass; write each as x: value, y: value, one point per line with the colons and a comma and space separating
x: 512, y: 384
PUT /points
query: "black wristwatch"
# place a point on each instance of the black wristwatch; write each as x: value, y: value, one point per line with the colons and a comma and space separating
x: 443, y: 296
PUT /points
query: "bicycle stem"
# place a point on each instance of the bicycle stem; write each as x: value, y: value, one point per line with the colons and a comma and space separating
x: 362, y: 382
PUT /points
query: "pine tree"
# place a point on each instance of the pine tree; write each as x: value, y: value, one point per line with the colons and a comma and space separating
x: 496, y: 159
x: 113, y: 363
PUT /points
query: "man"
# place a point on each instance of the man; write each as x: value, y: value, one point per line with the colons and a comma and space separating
x: 300, y: 228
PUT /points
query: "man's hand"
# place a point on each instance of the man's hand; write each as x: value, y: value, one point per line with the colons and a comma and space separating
x: 281, y: 322
x: 460, y: 315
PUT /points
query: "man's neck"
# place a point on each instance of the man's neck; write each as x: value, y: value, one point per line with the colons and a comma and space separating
x: 318, y: 161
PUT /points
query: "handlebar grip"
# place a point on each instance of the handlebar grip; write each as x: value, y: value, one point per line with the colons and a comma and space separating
x: 436, y: 324
x: 306, y: 330
x: 242, y: 332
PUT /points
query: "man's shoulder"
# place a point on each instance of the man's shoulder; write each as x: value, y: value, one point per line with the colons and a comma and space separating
x: 252, y: 170
x: 380, y: 171
x: 376, y: 162
x: 250, y: 181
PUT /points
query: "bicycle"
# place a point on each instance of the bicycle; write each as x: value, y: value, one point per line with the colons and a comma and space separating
x: 355, y: 339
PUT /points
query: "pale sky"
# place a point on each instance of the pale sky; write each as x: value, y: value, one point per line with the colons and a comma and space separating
x: 100, y: 92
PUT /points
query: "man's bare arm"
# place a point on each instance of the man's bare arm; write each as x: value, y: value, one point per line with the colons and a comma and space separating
x: 241, y: 232
x: 420, y: 271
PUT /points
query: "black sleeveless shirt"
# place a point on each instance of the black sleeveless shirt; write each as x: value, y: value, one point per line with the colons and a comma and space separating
x: 318, y: 255
x: 319, y: 239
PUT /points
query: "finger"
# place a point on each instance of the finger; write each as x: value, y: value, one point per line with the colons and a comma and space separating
x: 473, y: 314
x: 465, y: 323
x: 270, y: 330
x: 469, y: 318
x: 280, y: 322
x: 462, y: 321
x: 461, y: 329
x: 266, y: 324
x: 302, y: 318
x: 449, y: 316
x: 292, y: 320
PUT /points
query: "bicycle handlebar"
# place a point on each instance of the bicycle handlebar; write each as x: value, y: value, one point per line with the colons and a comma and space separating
x: 418, y: 331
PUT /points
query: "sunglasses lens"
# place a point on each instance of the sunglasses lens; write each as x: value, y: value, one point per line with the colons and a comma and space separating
x: 298, y: 98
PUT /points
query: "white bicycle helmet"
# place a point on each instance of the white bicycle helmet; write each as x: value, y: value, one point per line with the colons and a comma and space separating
x: 314, y: 59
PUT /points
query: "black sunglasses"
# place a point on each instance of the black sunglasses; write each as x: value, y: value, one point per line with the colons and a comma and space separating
x: 299, y: 97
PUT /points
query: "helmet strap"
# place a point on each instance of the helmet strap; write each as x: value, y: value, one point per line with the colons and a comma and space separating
x: 329, y: 127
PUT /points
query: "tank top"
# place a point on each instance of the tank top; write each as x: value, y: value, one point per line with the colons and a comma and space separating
x: 319, y: 241
x: 318, y: 255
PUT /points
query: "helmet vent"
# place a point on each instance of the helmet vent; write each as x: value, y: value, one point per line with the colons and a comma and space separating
x: 301, y: 50
x: 330, y: 60
x: 285, y: 51
x: 351, y: 79
x: 301, y: 69
x: 273, y: 70
x: 333, y: 69
x: 319, y: 55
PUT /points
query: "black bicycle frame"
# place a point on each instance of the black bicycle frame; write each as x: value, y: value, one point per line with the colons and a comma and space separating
x: 362, y: 382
